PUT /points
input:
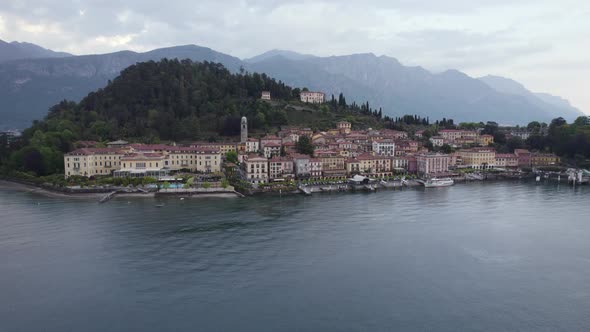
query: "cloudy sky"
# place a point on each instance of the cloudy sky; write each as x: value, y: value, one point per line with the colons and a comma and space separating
x: 544, y: 44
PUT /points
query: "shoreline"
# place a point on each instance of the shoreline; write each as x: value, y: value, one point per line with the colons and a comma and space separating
x: 33, y: 189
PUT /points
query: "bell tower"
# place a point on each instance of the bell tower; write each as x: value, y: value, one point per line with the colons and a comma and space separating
x: 244, y: 130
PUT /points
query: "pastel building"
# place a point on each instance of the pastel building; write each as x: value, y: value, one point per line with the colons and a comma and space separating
x: 252, y: 145
x: 506, y: 160
x: 432, y: 163
x: 256, y: 169
x: 280, y: 168
x: 478, y: 158
x: 384, y: 147
x: 312, y: 97
x: 92, y: 161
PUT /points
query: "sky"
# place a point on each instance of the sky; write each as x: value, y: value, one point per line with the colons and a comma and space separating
x: 544, y: 44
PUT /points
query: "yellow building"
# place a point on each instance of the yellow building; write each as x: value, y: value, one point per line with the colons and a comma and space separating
x: 478, y: 158
x: 92, y: 161
x: 141, y: 160
x: 485, y: 140
x: 544, y: 159
x: 194, y: 159
x: 368, y: 164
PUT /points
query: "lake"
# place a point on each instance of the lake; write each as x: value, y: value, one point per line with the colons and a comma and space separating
x: 473, y: 257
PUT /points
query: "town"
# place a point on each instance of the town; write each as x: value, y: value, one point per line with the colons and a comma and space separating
x: 300, y: 154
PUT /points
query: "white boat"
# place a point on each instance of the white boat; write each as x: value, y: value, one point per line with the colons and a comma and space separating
x: 436, y: 182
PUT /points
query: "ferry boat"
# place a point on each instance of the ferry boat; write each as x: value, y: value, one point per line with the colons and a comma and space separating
x: 435, y: 182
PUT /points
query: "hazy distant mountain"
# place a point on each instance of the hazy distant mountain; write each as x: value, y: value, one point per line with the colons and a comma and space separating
x: 17, y: 51
x: 29, y: 87
x: 551, y: 105
x: 290, y: 55
x: 385, y: 82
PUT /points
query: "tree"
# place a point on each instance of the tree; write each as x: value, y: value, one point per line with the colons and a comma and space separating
x: 231, y: 156
x: 514, y: 143
x: 446, y: 148
x: 305, y: 146
x: 206, y: 185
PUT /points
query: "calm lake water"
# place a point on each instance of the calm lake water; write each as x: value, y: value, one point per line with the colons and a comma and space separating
x: 473, y: 257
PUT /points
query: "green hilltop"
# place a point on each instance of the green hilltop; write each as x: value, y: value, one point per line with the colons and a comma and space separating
x: 172, y: 100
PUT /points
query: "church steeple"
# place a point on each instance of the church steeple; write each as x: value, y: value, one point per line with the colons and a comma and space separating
x: 244, y: 130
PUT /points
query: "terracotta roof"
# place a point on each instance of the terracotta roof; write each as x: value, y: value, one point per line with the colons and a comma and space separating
x: 93, y: 151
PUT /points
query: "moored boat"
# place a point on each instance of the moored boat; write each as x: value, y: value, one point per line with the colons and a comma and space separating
x: 436, y: 182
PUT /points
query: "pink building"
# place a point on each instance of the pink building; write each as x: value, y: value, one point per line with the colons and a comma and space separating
x: 280, y: 168
x: 524, y: 157
x: 433, y: 163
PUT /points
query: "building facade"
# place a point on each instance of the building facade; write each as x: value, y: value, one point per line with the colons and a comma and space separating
x: 313, y: 97
x: 433, y: 163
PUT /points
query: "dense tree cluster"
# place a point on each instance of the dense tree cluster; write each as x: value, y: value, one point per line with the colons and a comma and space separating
x: 171, y: 100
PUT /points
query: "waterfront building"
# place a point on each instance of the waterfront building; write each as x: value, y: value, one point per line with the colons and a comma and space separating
x: 265, y: 95
x: 256, y: 169
x: 412, y: 164
x: 193, y: 159
x: 92, y: 161
x: 281, y: 168
x: 143, y: 164
x: 141, y: 160
x: 524, y: 157
x: 478, y: 158
x: 433, y: 163
x: 384, y: 147
x: 333, y: 165
x: 544, y: 159
x: 506, y: 160
x: 315, y: 167
x: 399, y: 163
x: 312, y: 97
x: 301, y: 164
x: 244, y: 130
x: 369, y: 164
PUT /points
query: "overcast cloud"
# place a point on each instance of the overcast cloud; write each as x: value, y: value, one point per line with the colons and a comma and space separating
x: 544, y: 44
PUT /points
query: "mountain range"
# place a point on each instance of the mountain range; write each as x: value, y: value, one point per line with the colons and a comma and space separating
x: 29, y: 85
x: 17, y: 51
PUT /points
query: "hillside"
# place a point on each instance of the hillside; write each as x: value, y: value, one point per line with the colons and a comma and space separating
x: 29, y: 87
x: 173, y: 100
x: 18, y: 51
